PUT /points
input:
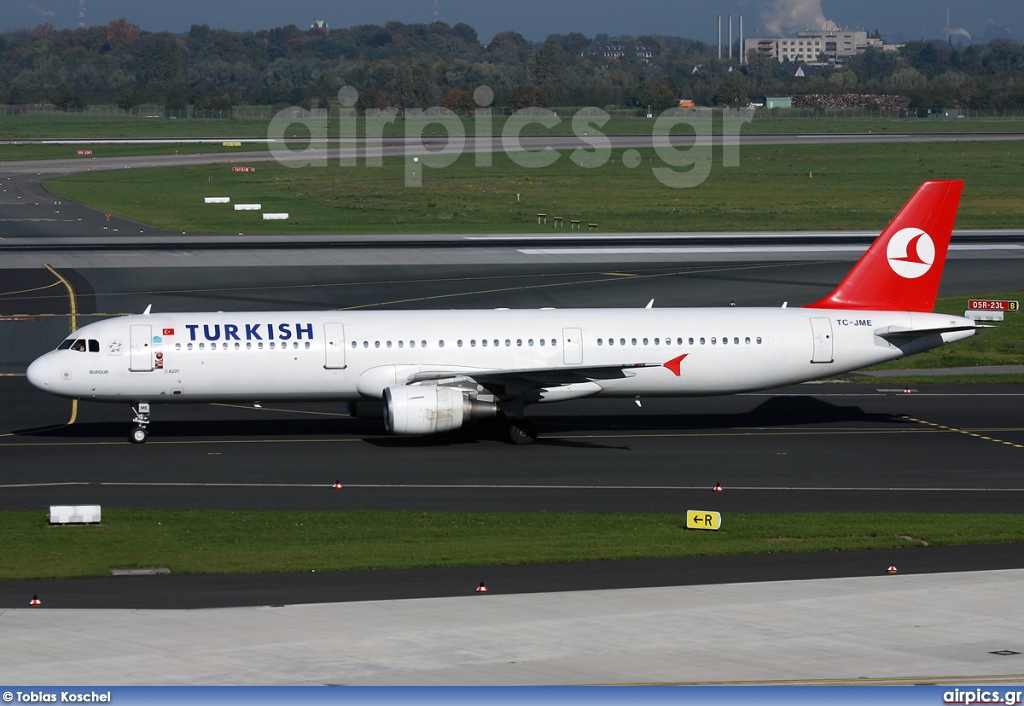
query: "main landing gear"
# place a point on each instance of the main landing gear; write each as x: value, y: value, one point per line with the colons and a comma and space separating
x: 140, y: 433
x: 521, y: 432
x: 518, y: 430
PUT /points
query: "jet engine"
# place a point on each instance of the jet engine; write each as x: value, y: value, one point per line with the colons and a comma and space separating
x: 427, y: 409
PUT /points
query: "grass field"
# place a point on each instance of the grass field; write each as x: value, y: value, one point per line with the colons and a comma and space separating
x: 853, y: 187
x: 197, y: 541
x: 83, y: 127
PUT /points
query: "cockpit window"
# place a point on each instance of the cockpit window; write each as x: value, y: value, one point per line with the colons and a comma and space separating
x: 80, y: 344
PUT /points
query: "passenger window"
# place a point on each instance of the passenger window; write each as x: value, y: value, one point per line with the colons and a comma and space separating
x: 366, y: 344
x: 483, y: 343
x: 260, y: 345
x: 496, y: 343
x: 714, y: 341
x: 622, y: 341
x: 389, y: 344
x: 679, y: 341
x: 758, y: 340
x: 554, y: 342
x: 354, y: 344
x: 307, y: 345
x: 423, y: 344
x: 412, y: 344
x: 376, y: 344
x: 459, y: 344
x: 530, y: 342
x: 237, y: 346
x: 600, y: 341
x: 401, y: 344
x: 177, y: 346
x: 519, y: 342
x: 508, y: 343
x: 440, y: 344
x: 611, y: 341
x: 702, y: 340
x: 202, y: 346
x: 747, y: 341
x: 691, y: 341
x: 295, y: 345
x: 543, y: 341
x: 273, y: 345
x: 725, y: 340
x: 657, y: 341
x: 190, y: 346
x: 645, y: 341
x: 248, y: 345
x: 736, y: 341
x: 472, y: 343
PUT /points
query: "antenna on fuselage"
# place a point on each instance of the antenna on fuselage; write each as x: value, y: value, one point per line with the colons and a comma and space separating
x: 148, y: 309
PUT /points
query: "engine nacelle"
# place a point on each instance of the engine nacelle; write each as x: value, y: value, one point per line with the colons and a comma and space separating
x: 427, y: 409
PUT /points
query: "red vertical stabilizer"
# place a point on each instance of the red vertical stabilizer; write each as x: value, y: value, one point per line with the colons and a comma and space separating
x: 902, y: 268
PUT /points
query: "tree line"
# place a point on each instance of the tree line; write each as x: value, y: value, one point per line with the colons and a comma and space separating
x: 425, y: 65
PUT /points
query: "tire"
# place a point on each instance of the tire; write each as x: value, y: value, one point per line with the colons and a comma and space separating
x: 138, y: 436
x: 521, y: 432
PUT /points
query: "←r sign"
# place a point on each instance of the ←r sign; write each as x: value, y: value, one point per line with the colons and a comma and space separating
x: 703, y: 519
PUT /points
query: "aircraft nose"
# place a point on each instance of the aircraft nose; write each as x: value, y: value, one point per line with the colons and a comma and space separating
x: 38, y: 373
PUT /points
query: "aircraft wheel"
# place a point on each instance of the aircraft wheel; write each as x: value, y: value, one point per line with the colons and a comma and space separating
x: 139, y: 435
x: 521, y: 432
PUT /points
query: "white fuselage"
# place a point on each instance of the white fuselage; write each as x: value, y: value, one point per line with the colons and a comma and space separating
x: 347, y: 356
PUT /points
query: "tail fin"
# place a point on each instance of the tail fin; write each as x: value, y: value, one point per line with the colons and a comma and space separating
x: 902, y: 268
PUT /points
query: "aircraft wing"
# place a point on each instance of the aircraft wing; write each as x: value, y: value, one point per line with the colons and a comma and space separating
x: 527, y: 378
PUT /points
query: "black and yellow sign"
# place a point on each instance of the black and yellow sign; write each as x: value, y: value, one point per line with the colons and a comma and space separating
x: 703, y: 519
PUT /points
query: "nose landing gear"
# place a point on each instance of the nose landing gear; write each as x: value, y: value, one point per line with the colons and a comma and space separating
x: 140, y: 433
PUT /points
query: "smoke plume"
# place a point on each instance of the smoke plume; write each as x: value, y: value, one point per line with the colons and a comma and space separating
x: 787, y: 16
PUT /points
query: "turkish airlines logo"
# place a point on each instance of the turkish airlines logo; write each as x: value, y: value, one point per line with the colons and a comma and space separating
x: 910, y: 252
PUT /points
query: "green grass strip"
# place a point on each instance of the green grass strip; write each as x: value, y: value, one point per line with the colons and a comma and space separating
x: 853, y: 187
x: 79, y: 126
x: 215, y: 541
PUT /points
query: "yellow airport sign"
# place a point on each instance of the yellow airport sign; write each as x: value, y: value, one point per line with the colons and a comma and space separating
x: 703, y: 519
x: 232, y: 144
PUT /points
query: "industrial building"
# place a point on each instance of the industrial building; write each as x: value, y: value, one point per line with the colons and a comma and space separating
x: 809, y: 45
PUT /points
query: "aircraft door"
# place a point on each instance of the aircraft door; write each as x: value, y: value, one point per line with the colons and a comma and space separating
x: 821, y: 331
x: 141, y: 360
x: 572, y: 346
x: 334, y: 344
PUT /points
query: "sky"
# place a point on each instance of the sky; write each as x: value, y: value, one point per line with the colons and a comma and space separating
x: 898, y: 20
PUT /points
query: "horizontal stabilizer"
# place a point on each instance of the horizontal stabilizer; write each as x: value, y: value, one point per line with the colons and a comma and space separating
x: 904, y: 333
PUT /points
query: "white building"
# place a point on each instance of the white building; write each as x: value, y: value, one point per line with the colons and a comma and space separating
x: 809, y: 45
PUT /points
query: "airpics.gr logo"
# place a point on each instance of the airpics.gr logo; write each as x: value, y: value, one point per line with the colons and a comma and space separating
x: 910, y: 252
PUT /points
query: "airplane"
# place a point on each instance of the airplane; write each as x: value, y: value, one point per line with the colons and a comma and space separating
x: 428, y: 372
